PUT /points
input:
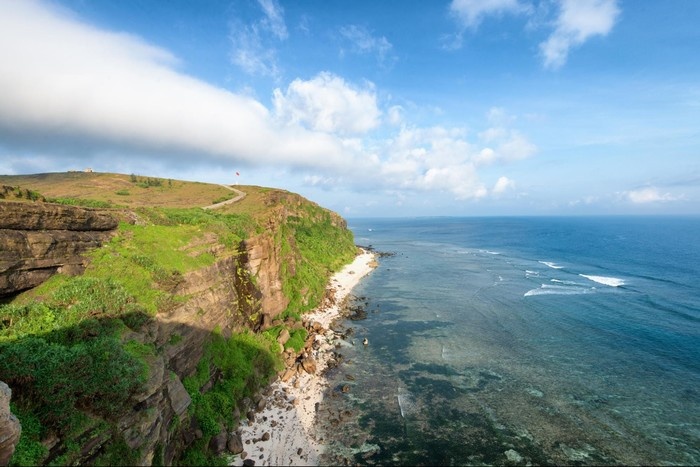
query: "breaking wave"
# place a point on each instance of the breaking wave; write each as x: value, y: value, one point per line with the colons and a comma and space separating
x: 609, y: 281
x: 551, y: 265
x: 546, y: 289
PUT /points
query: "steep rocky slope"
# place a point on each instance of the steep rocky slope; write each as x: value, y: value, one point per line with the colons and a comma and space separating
x: 38, y: 239
x: 257, y: 279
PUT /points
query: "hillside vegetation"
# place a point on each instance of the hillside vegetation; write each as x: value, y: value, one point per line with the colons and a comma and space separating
x: 80, y: 352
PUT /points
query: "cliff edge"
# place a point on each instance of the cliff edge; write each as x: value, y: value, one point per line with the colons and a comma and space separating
x: 142, y: 335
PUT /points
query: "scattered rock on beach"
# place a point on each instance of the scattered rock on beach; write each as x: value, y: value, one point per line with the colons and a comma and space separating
x: 218, y: 443
x: 287, y: 375
x: 309, y: 365
x: 234, y: 444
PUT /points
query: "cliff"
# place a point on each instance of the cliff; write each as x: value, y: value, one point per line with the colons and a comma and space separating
x: 38, y: 240
x: 180, y: 307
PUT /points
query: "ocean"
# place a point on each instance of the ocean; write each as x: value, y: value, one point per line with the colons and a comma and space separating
x: 521, y: 340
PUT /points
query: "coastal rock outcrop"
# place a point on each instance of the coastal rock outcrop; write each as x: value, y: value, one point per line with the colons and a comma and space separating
x: 241, y: 289
x: 38, y: 240
x: 10, y: 428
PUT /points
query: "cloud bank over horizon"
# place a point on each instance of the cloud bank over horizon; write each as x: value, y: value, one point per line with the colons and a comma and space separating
x: 513, y: 105
x: 74, y: 88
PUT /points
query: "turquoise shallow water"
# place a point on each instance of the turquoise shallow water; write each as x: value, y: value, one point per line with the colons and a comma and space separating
x: 516, y: 340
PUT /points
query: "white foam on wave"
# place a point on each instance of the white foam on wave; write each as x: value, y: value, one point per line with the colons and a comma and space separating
x: 489, y: 252
x: 609, y: 281
x: 551, y: 264
x: 546, y: 289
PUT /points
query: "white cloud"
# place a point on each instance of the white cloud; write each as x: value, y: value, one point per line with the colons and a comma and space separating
x: 363, y: 42
x: 578, y: 21
x: 471, y: 12
x: 327, y: 103
x: 503, y: 143
x: 274, y: 18
x: 67, y: 86
x: 649, y: 195
x: 502, y: 185
x: 73, y: 94
x: 442, y: 159
x: 395, y: 115
x: 252, y: 44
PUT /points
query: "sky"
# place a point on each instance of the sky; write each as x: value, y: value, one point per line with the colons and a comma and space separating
x: 369, y: 108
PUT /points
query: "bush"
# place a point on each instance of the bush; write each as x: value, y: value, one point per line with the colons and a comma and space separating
x: 29, y: 450
x: 297, y: 339
x: 57, y: 380
x: 88, y: 203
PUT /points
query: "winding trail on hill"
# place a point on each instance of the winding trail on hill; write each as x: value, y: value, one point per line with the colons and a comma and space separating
x: 240, y: 196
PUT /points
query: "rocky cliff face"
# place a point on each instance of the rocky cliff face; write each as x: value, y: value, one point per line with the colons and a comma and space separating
x: 10, y: 429
x: 242, y: 289
x: 37, y: 240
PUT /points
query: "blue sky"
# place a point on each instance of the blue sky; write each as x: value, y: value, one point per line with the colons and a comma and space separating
x: 370, y: 108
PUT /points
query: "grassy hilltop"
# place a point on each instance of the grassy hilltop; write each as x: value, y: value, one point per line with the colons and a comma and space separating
x: 134, y: 191
x: 76, y: 351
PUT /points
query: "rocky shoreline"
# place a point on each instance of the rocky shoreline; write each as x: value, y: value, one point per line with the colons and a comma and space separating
x: 281, y: 421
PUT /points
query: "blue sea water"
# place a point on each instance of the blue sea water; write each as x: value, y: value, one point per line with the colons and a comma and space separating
x: 522, y: 340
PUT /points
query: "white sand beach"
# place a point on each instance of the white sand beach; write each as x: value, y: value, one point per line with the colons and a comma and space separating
x: 284, y: 432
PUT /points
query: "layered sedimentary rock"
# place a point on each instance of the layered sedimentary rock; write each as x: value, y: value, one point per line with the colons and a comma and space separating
x: 38, y: 240
x: 241, y: 289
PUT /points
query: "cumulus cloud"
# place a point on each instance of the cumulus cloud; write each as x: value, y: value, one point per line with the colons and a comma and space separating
x: 329, y: 104
x: 362, y: 41
x: 502, y: 185
x: 252, y: 44
x: 395, y: 115
x: 69, y: 86
x: 578, y: 21
x: 648, y: 195
x: 501, y: 142
x: 76, y: 93
x: 444, y: 159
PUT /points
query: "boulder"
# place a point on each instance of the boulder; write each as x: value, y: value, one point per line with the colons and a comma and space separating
x: 10, y: 429
x: 234, y: 444
x: 309, y: 365
x: 218, y: 443
x: 287, y: 375
x: 283, y: 337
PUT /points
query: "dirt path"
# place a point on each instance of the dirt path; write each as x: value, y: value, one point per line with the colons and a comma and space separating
x: 240, y: 196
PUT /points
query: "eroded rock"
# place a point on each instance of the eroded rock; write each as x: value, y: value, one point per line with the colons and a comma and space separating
x: 10, y: 428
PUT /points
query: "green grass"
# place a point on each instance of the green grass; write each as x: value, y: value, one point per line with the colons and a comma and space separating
x: 321, y: 249
x: 86, y: 203
x: 64, y: 347
x: 245, y: 362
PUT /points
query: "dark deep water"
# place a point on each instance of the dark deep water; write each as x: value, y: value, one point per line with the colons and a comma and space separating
x: 516, y: 340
